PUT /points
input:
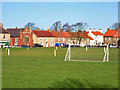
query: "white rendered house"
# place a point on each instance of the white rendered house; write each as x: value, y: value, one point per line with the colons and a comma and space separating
x: 96, y: 35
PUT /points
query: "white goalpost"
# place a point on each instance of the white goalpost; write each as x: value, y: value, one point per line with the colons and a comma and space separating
x: 105, y: 58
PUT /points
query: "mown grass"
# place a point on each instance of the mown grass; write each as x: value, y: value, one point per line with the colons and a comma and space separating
x: 38, y: 68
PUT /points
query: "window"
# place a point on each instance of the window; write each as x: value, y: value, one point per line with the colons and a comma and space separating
x: 58, y: 39
x: 51, y: 39
x: 114, y: 38
x: 16, y: 40
x: 4, y: 37
x: 46, y: 39
x: 105, y: 38
x: 41, y: 39
x: 63, y: 39
x: 109, y: 38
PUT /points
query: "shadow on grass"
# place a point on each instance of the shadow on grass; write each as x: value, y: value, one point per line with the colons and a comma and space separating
x: 75, y: 83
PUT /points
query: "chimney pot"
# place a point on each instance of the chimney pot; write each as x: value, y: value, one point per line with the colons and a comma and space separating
x: 108, y: 29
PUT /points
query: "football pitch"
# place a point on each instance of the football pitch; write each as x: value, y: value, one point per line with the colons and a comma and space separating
x: 39, y: 68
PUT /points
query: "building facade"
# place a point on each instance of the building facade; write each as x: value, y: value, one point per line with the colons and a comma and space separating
x: 21, y: 36
x: 4, y: 36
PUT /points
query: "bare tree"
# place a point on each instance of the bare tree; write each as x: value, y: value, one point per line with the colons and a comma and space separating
x: 31, y: 24
x: 115, y: 26
x: 79, y: 31
x: 56, y: 26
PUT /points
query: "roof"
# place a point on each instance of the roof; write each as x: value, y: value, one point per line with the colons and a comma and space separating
x: 110, y: 33
x: 117, y: 34
x: 2, y: 30
x: 95, y: 32
x: 58, y: 34
x: 67, y: 34
x: 15, y: 32
x: 90, y: 37
x: 42, y: 33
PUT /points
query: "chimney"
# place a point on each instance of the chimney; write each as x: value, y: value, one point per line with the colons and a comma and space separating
x: 53, y: 30
x: 108, y: 29
x: 61, y: 30
x: 94, y: 30
x: 100, y: 30
x: 38, y: 29
x: 67, y: 30
x: 48, y: 29
x: 16, y: 28
x: 30, y: 29
x: 90, y: 30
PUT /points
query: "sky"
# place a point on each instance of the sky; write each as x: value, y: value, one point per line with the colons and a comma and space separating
x: 99, y: 15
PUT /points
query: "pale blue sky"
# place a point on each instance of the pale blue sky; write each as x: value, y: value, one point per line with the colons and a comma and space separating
x: 99, y: 15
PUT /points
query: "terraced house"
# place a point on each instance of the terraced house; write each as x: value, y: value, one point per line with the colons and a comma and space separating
x: 112, y: 36
x: 44, y: 38
x: 4, y: 36
x: 61, y: 37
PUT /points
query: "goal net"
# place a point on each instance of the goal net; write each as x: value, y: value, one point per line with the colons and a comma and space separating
x: 86, y: 54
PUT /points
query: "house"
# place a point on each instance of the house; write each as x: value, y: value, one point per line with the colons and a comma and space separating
x: 21, y: 36
x: 4, y: 36
x: 111, y: 36
x: 80, y: 38
x: 96, y: 35
x: 61, y: 37
x: 44, y: 38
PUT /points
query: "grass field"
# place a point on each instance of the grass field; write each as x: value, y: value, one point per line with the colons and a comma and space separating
x: 38, y: 68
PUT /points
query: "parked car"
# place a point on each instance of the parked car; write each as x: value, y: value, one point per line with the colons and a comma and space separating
x: 75, y: 46
x: 37, y: 45
x: 24, y: 46
x: 97, y: 45
x: 112, y: 46
x: 66, y: 45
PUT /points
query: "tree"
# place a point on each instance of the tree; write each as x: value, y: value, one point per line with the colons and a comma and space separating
x: 79, y: 31
x: 31, y: 24
x: 56, y: 26
x: 66, y: 27
x: 115, y: 26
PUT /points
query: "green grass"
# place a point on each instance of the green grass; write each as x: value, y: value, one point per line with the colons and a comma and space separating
x: 38, y: 68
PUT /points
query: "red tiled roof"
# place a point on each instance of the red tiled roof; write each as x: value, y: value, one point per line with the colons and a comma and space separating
x: 95, y: 32
x: 42, y: 33
x: 58, y: 33
x: 110, y: 33
x: 67, y: 34
x: 117, y: 34
x: 90, y: 38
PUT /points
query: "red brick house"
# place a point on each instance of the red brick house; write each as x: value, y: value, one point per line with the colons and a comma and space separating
x: 21, y: 36
x: 111, y: 37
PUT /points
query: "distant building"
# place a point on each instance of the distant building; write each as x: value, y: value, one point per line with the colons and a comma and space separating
x: 44, y: 38
x: 4, y: 36
x: 21, y: 36
x: 111, y: 36
x: 96, y: 35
